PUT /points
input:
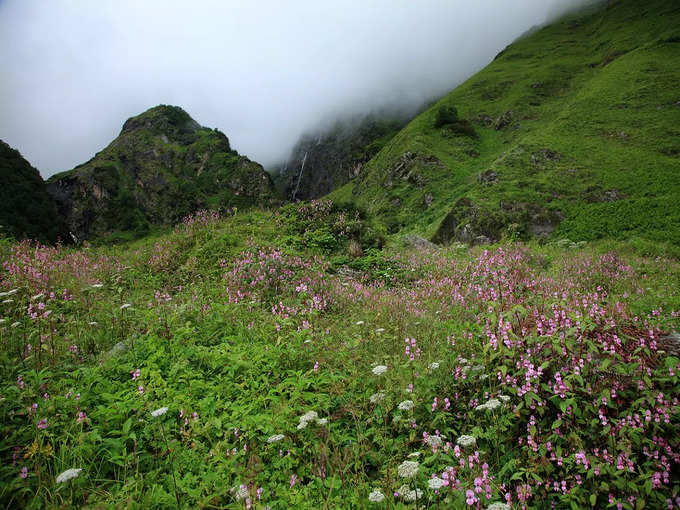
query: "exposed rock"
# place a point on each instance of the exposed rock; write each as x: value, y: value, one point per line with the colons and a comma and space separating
x: 483, y: 120
x: 503, y: 120
x: 116, y: 350
x: 418, y: 242
x: 670, y: 344
x: 487, y: 177
x: 334, y: 156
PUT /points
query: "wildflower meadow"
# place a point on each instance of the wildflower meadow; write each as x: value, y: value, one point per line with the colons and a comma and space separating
x: 300, y: 359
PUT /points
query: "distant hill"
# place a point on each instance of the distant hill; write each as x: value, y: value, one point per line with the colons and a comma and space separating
x: 334, y: 155
x: 162, y: 166
x: 572, y: 131
x: 26, y: 209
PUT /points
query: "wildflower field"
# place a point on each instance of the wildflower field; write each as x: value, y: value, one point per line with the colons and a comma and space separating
x: 296, y: 359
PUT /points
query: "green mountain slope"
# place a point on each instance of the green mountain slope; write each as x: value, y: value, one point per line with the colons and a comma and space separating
x: 26, y: 210
x: 162, y: 166
x: 572, y: 131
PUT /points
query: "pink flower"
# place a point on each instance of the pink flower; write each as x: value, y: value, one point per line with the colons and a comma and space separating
x: 42, y: 424
x: 141, y: 390
x: 81, y: 417
x: 293, y: 479
x: 135, y: 374
x: 24, y: 472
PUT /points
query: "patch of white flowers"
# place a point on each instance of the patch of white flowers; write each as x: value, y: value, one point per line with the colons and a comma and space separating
x: 308, y: 417
x: 490, y: 405
x: 275, y: 438
x: 410, y: 495
x: 159, y: 412
x: 466, y: 441
x: 377, y: 397
x: 408, y: 469
x: 434, y: 441
x: 498, y: 506
x: 376, y: 496
x: 436, y: 483
x: 406, y: 405
x: 68, y: 475
x: 379, y: 369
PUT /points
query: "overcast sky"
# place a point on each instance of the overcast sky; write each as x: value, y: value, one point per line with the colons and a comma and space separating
x: 262, y: 71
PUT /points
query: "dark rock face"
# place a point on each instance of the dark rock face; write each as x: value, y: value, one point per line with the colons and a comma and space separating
x: 472, y: 223
x: 162, y: 166
x: 334, y: 156
x: 26, y: 209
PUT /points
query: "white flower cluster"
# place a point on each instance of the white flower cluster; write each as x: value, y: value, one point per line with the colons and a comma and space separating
x: 410, y: 495
x: 379, y: 369
x: 413, y: 455
x: 377, y: 397
x: 240, y: 492
x: 434, y: 365
x: 159, y: 412
x: 9, y: 292
x: 436, y: 483
x: 504, y: 398
x: 498, y: 506
x: 466, y: 441
x: 408, y: 469
x: 309, y: 417
x: 406, y: 405
x: 376, y: 496
x: 68, y: 474
x: 490, y: 405
x: 434, y: 441
x: 275, y: 438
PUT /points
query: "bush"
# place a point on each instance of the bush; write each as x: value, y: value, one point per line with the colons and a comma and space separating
x: 446, y: 115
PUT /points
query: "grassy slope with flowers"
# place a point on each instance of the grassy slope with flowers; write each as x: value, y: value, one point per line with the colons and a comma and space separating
x: 242, y: 325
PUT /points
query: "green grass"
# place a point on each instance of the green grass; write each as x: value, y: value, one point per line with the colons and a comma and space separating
x: 598, y: 91
x: 221, y: 324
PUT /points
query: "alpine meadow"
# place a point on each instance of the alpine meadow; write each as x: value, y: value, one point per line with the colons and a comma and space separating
x: 469, y: 302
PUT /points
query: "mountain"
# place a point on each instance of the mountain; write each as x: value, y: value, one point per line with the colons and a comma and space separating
x: 571, y: 131
x: 26, y: 209
x: 329, y: 158
x: 162, y: 166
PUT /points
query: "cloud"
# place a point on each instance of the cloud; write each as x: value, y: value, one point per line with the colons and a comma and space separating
x: 262, y: 71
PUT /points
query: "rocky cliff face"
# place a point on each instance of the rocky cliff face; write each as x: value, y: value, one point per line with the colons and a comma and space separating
x: 162, y: 166
x: 333, y: 156
x: 26, y: 210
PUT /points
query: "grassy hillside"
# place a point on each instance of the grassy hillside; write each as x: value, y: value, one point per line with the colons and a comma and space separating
x: 161, y: 167
x: 249, y: 362
x: 26, y: 210
x: 571, y: 131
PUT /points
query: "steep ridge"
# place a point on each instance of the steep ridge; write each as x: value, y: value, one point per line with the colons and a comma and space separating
x: 26, y: 209
x: 326, y: 159
x: 572, y: 131
x: 162, y: 166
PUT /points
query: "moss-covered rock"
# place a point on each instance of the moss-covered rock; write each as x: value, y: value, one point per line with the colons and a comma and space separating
x: 162, y: 166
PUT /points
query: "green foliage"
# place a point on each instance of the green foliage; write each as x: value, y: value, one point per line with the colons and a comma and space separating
x: 577, y: 120
x: 446, y: 115
x: 162, y: 167
x: 239, y: 332
x: 26, y: 210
